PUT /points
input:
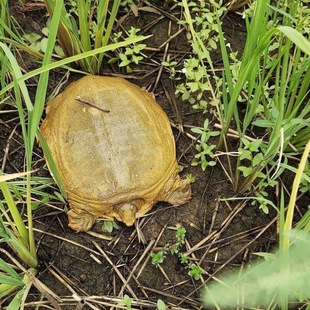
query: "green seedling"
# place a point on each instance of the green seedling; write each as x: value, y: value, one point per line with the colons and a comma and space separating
x: 205, y: 150
x: 87, y: 26
x: 109, y: 226
x: 170, y: 65
x: 190, y: 178
x: 39, y: 42
x: 158, y: 258
x: 126, y: 302
x: 180, y: 235
x: 161, y: 305
x: 195, y: 271
x: 132, y: 54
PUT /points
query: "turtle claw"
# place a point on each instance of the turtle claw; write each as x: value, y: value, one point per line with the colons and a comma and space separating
x: 80, y: 221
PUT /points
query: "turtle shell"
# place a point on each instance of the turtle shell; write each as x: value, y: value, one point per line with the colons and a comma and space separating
x: 113, y: 147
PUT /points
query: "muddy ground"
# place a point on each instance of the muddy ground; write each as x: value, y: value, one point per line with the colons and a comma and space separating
x: 85, y: 271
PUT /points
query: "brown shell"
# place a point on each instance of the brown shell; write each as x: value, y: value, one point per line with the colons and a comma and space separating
x: 112, y: 144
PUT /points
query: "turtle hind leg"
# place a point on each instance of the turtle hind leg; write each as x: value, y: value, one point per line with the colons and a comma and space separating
x: 80, y: 220
x: 176, y: 191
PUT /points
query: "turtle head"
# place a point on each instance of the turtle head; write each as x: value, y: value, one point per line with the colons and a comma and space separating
x: 127, y: 213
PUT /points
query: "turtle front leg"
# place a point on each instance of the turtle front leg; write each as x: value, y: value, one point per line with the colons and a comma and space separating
x: 79, y: 220
x: 176, y: 191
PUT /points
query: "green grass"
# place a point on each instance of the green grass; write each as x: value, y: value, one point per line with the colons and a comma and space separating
x: 281, y: 278
x: 87, y: 26
x: 14, y: 231
x: 265, y: 89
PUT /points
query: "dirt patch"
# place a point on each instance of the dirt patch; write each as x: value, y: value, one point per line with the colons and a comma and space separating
x: 87, y: 271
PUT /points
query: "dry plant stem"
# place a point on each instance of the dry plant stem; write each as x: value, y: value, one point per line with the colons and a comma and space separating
x: 148, y: 258
x: 174, y: 106
x: 140, y: 234
x: 194, y: 304
x: 217, y: 234
x: 7, y: 148
x: 291, y: 205
x: 44, y: 290
x: 224, y: 168
x: 228, y: 240
x: 214, y: 215
x: 202, y: 199
x: 164, y: 273
x: 69, y: 241
x: 99, y: 236
x: 115, y: 269
x: 234, y: 134
x: 137, y: 283
x: 64, y: 280
x: 235, y: 255
x: 161, y: 67
x: 81, y: 100
x: 171, y: 37
x: 146, y: 251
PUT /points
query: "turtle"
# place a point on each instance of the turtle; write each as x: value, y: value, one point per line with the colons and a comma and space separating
x: 114, y: 150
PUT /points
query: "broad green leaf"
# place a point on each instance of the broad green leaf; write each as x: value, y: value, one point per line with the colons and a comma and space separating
x: 296, y: 37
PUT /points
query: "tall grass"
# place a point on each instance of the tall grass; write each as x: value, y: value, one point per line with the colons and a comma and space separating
x: 92, y: 30
x: 282, y: 279
x: 275, y: 74
x: 265, y: 92
x: 13, y: 230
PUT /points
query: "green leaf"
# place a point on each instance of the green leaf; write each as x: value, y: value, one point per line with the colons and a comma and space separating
x: 263, y: 123
x: 123, y: 57
x: 158, y: 258
x: 125, y: 63
x: 246, y: 171
x: 297, y: 38
x: 59, y: 51
x: 254, y: 146
x: 32, y: 37
x: 197, y: 130
x: 43, y: 44
x: 212, y: 163
x: 45, y: 31
x: 108, y: 226
x: 204, y: 165
x: 161, y: 305
x: 257, y: 159
x: 9, y: 270
x: 10, y: 281
x: 129, y: 51
x: 195, y: 271
x: 245, y: 154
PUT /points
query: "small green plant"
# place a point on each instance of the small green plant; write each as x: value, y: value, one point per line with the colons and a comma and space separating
x: 39, y: 42
x: 86, y: 26
x: 283, y: 277
x: 109, y: 226
x: 205, y: 155
x: 190, y: 178
x: 250, y: 152
x: 263, y: 90
x: 203, y: 35
x: 127, y: 301
x: 161, y: 305
x: 132, y: 54
x: 170, y: 65
x: 158, y: 258
x: 195, y: 271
